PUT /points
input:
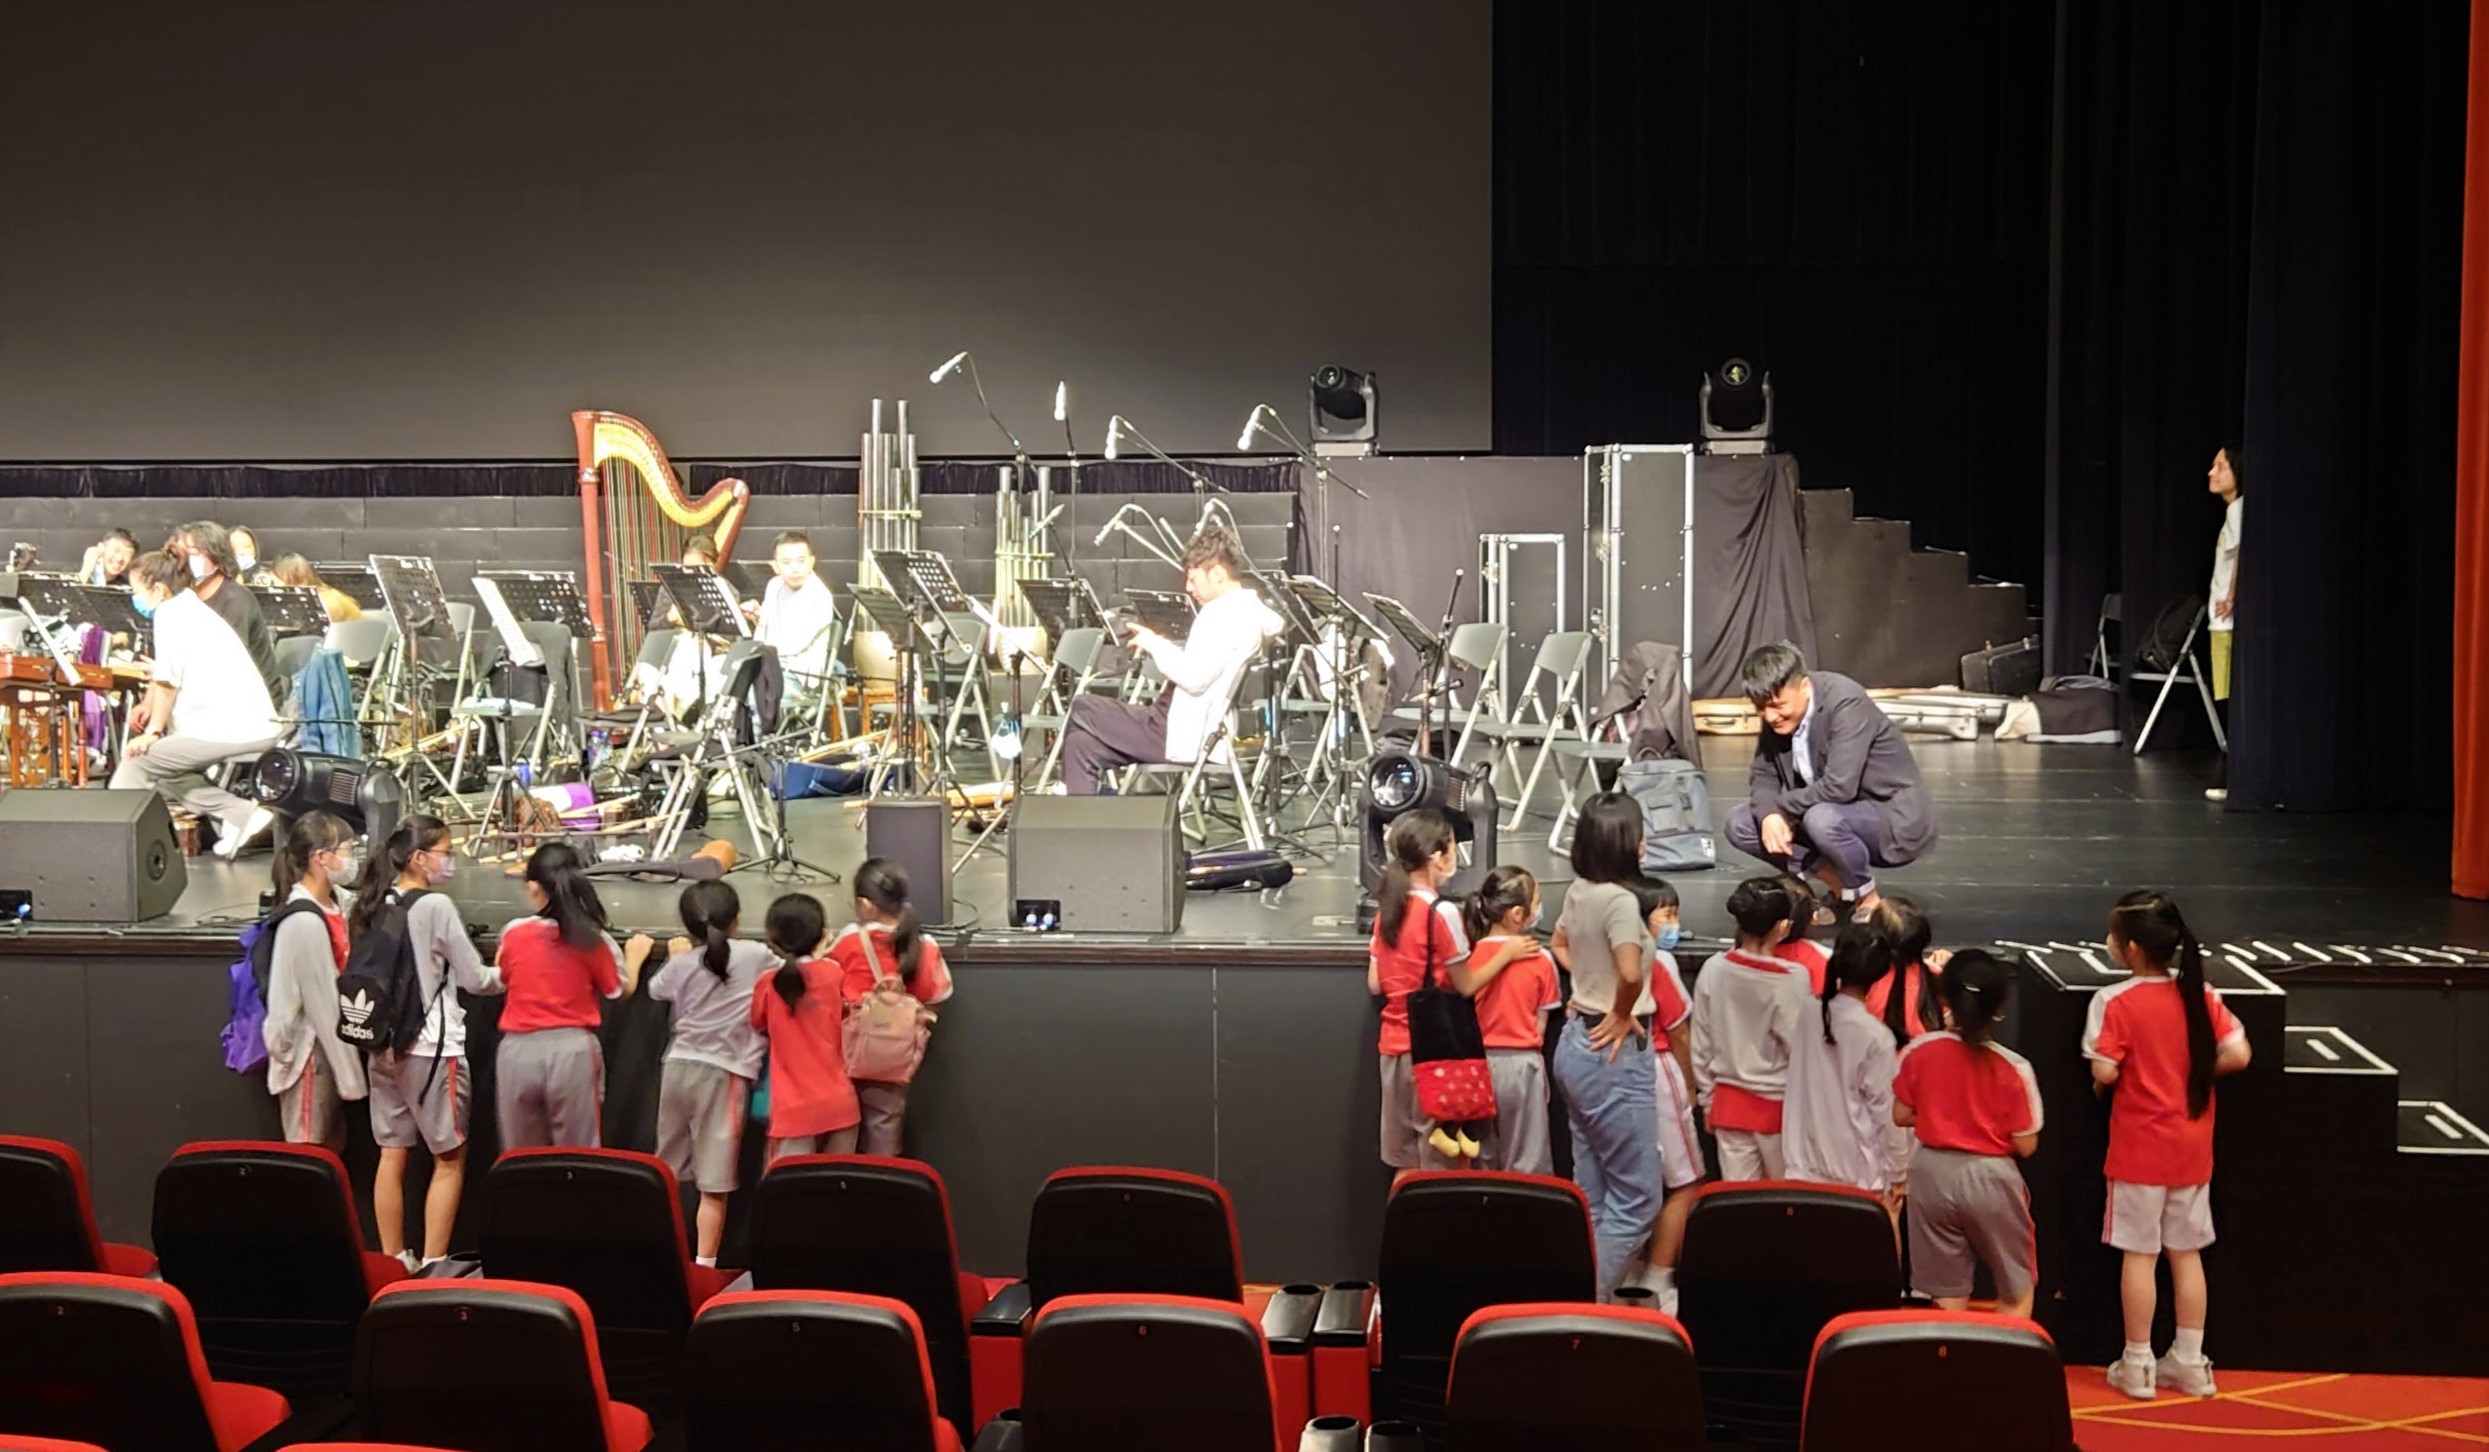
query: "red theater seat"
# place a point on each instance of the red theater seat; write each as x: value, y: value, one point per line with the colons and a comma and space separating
x: 872, y: 1226
x: 609, y: 1225
x: 1149, y: 1371
x: 1574, y: 1378
x: 772, y: 1371
x: 1456, y: 1242
x: 263, y: 1239
x: 47, y: 1222
x: 1998, y: 1379
x: 1124, y: 1231
x: 115, y: 1360
x: 488, y: 1366
x: 11, y: 1442
x: 1766, y: 1264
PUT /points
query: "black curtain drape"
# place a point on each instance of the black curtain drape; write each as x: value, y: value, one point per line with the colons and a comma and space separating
x: 2354, y: 288
x: 1849, y: 193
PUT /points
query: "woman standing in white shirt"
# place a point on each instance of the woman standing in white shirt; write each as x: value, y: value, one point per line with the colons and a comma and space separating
x: 2221, y: 601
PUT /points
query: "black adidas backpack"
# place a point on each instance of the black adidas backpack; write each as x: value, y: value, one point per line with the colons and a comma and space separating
x: 380, y: 1003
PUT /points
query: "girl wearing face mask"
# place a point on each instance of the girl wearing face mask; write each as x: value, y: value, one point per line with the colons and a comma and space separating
x: 310, y: 1070
x: 549, y: 1071
x: 421, y: 1097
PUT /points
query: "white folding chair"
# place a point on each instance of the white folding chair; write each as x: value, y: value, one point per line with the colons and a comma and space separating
x: 1549, y: 709
x: 1476, y: 647
x: 1218, y: 757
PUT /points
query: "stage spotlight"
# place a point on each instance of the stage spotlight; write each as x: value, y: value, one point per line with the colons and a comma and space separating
x: 366, y: 793
x: 1399, y: 781
x: 1342, y: 405
x: 1737, y: 409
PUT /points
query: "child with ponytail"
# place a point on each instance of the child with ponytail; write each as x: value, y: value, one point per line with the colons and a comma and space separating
x: 1908, y: 1000
x: 799, y: 1006
x: 1749, y: 1007
x: 1514, y: 995
x: 2158, y: 1040
x: 715, y: 1053
x: 422, y: 1096
x: 1975, y: 1106
x: 549, y: 1072
x: 1838, y: 1125
x: 886, y: 939
x: 310, y: 1070
x: 1418, y: 937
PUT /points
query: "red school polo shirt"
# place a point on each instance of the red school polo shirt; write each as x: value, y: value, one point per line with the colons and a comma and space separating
x: 809, y: 1091
x: 550, y: 983
x: 1512, y: 1008
x: 2140, y: 1025
x: 1969, y: 1097
x: 1401, y: 967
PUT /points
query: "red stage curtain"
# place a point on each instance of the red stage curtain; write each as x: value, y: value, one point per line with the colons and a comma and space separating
x: 2471, y: 504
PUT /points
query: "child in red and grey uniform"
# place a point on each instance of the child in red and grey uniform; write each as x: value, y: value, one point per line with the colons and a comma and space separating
x: 1908, y: 999
x: 311, y: 1070
x: 715, y: 1055
x: 886, y: 940
x: 812, y: 1103
x: 2157, y: 1041
x: 1514, y: 995
x: 1838, y: 1125
x: 549, y: 1071
x: 1975, y: 1106
x: 1747, y: 1006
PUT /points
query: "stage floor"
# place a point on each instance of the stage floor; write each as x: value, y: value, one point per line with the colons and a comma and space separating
x: 2038, y: 841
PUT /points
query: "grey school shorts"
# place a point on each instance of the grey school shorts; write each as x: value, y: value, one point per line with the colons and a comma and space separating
x: 1965, y: 1210
x: 700, y: 1114
x: 418, y: 1099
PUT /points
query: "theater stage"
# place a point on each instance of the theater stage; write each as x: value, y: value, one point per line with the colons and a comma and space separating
x: 1242, y: 1046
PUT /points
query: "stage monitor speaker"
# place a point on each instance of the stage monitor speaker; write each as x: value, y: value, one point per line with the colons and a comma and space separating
x: 91, y: 855
x: 1111, y: 864
x: 915, y: 832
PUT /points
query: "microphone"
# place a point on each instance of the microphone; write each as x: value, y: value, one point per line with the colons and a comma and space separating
x: 1114, y: 434
x: 1252, y: 426
x: 1062, y: 401
x: 948, y: 368
x: 1109, y: 528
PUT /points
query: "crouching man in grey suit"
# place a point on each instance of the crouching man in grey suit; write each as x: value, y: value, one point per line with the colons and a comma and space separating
x: 1833, y: 790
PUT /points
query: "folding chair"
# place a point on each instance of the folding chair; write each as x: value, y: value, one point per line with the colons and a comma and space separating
x: 792, y: 1371
x: 488, y: 1366
x: 115, y: 1361
x: 262, y: 1238
x: 1548, y: 710
x: 2193, y: 672
x: 1997, y: 1377
x: 1627, y: 1378
x: 1477, y: 647
x: 1766, y: 1265
x: 1219, y: 755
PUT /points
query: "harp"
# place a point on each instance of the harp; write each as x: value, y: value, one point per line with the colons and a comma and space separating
x: 636, y: 513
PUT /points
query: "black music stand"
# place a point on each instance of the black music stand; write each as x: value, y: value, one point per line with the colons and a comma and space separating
x: 412, y: 592
x: 1061, y: 607
x: 649, y: 599
x: 910, y: 642
x: 359, y: 582
x: 1168, y: 612
x: 924, y: 579
x: 703, y: 600
x: 1433, y: 655
x: 291, y: 609
x: 111, y: 609
x: 551, y: 596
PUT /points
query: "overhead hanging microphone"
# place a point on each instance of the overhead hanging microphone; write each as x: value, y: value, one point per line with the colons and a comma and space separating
x: 949, y: 367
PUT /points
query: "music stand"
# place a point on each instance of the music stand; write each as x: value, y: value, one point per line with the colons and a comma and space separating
x: 359, y: 582
x: 745, y: 580
x: 1061, y: 606
x: 291, y: 609
x: 703, y: 600
x: 547, y: 595
x: 1168, y: 612
x: 111, y: 609
x: 413, y: 595
x: 909, y: 641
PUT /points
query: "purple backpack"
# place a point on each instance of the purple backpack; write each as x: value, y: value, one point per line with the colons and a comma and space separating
x: 246, y: 993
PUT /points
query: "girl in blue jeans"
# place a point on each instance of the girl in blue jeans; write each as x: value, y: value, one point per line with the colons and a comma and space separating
x: 1604, y: 1060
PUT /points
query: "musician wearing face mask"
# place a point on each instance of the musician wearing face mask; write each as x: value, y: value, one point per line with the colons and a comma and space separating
x: 246, y: 560
x: 216, y: 577
x: 205, y: 704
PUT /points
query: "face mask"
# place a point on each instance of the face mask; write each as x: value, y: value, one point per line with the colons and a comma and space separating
x: 145, y: 607
x: 349, y: 864
x: 244, y: 562
x: 444, y: 867
x: 1671, y: 935
x: 198, y: 567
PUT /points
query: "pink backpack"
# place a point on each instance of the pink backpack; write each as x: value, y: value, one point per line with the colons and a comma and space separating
x: 886, y: 1030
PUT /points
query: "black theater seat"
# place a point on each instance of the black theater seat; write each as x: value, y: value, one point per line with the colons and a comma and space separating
x: 1998, y: 1379
x: 115, y: 1360
x: 1106, y: 1373
x: 774, y: 1371
x: 1456, y: 1242
x: 487, y: 1366
x: 262, y: 1238
x: 1766, y: 1265
x: 872, y: 1226
x: 46, y: 1220
x: 1574, y: 1378
x: 609, y: 1225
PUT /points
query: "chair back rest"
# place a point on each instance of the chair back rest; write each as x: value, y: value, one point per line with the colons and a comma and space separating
x: 46, y: 1220
x: 1767, y: 1263
x: 1575, y: 1378
x: 863, y: 1225
x: 104, y: 1359
x: 361, y: 639
x: 771, y: 1371
x: 1476, y: 646
x: 1998, y: 1379
x: 1111, y: 1230
x: 260, y: 1231
x: 1146, y: 1371
x: 1561, y: 656
x: 561, y: 662
x: 657, y: 647
x: 1457, y: 1242
x: 604, y: 1223
x: 1078, y: 650
x: 481, y: 1365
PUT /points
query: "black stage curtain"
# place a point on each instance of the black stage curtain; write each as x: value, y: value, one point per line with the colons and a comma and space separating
x: 2354, y: 288
x: 1849, y: 193
x: 468, y: 481
x: 1749, y: 565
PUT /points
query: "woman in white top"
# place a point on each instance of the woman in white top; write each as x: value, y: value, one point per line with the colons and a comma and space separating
x: 2224, y: 479
x: 310, y: 1070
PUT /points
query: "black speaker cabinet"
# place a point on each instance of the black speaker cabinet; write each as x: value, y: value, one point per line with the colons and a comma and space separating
x: 1112, y: 864
x: 91, y: 855
x: 915, y: 832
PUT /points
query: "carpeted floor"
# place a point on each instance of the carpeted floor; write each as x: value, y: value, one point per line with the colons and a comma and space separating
x: 2334, y: 1413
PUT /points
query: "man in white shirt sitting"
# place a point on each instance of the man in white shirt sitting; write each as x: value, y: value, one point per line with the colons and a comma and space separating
x: 797, y: 616
x: 1100, y: 734
x: 205, y: 703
